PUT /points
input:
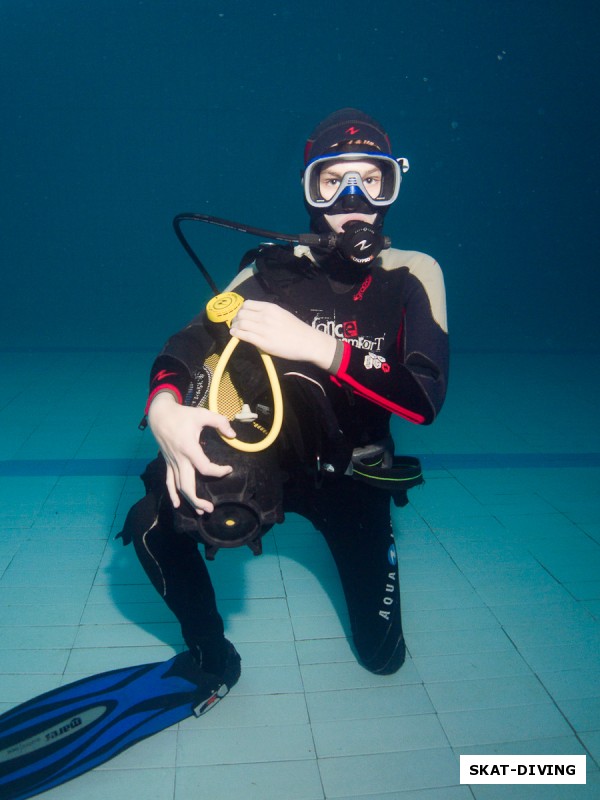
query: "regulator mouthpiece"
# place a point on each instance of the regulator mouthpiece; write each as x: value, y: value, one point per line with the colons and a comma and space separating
x: 360, y: 242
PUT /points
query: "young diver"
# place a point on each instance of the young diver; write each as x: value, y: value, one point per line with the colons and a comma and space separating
x: 356, y: 338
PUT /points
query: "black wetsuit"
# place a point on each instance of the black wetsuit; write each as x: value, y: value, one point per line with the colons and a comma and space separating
x: 392, y: 358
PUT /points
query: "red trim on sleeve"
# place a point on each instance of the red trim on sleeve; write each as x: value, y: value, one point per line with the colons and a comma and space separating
x: 164, y: 387
x: 361, y: 390
x: 411, y: 416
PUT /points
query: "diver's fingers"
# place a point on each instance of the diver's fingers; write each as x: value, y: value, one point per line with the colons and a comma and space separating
x: 206, y: 467
x: 255, y: 329
x: 256, y: 339
x: 257, y: 306
x: 218, y: 421
x: 283, y: 338
x: 255, y: 316
x: 171, y: 487
x: 215, y: 470
x: 198, y: 457
x: 187, y: 486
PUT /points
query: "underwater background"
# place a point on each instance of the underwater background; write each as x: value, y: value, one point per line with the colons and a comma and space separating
x: 118, y: 114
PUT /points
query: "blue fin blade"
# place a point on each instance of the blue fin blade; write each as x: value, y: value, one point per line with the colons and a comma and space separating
x: 65, y: 732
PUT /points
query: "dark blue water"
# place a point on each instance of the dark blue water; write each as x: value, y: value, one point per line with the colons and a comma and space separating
x: 117, y: 114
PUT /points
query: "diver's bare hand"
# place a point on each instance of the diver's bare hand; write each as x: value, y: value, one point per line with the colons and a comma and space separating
x: 177, y: 430
x: 279, y: 333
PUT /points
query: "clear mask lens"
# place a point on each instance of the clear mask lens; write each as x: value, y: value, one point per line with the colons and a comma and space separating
x: 377, y: 178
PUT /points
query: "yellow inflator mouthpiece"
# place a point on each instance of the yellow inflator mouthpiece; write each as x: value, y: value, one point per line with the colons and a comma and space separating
x: 223, y: 308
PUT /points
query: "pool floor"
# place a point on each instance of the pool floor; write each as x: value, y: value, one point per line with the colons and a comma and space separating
x: 499, y: 557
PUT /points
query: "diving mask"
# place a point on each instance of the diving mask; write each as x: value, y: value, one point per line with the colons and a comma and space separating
x: 327, y: 179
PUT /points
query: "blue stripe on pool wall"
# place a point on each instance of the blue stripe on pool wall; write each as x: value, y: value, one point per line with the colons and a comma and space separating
x: 510, y: 460
x: 85, y: 467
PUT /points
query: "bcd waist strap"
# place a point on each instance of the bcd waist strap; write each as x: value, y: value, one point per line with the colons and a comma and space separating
x: 377, y: 466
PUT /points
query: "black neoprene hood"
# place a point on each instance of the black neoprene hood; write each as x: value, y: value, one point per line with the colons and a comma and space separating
x: 345, y: 131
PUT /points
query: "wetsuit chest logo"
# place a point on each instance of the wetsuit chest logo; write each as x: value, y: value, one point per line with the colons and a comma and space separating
x: 364, y: 286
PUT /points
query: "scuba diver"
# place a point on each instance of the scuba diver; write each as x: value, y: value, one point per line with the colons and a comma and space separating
x: 357, y: 331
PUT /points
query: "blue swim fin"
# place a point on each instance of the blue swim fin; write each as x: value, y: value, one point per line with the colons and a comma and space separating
x: 65, y: 732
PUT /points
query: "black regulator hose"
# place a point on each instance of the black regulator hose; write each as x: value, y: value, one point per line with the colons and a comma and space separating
x: 309, y: 239
x: 360, y: 243
x: 189, y: 250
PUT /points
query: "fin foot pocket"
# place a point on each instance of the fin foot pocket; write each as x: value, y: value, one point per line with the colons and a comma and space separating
x: 225, y: 681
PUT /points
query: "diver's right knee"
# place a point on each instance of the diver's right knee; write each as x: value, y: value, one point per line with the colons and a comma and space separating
x: 386, y: 660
